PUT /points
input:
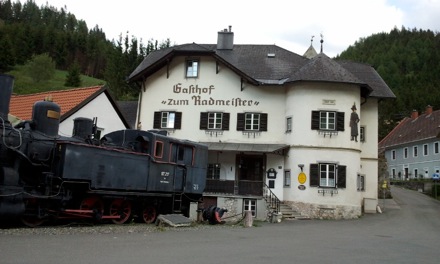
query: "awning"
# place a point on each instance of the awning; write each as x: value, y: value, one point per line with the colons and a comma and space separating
x: 245, y: 147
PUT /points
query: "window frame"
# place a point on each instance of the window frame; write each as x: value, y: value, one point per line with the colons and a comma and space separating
x: 325, y: 116
x: 316, y: 173
x: 189, y: 68
x: 250, y: 205
x: 288, y: 124
x: 287, y: 178
x: 393, y: 154
x: 158, y: 120
x: 425, y: 150
x: 213, y: 171
x: 170, y: 119
x: 252, y: 121
x: 360, y: 182
x: 215, y: 122
x: 415, y: 151
x: 362, y: 133
x: 435, y: 148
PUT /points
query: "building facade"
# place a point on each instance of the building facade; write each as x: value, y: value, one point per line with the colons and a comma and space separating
x: 275, y: 123
x: 412, y: 147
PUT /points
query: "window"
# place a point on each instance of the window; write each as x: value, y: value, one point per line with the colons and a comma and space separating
x: 192, y: 68
x: 327, y: 175
x: 415, y: 151
x: 425, y: 150
x: 167, y: 120
x: 287, y: 178
x: 252, y: 122
x: 214, y: 121
x: 158, y: 150
x: 328, y: 120
x: 436, y: 148
x: 362, y: 133
x: 250, y: 205
x: 393, y: 154
x: 393, y: 173
x: 361, y: 182
x: 416, y: 173
x: 288, y: 124
x: 214, y: 171
x: 405, y: 153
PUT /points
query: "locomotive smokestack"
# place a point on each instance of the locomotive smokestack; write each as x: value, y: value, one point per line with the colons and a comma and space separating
x: 6, y: 84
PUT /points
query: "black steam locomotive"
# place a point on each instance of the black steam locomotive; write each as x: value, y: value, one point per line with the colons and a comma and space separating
x: 124, y: 174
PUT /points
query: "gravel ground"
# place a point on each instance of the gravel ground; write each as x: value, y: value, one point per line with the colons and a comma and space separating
x: 86, y: 228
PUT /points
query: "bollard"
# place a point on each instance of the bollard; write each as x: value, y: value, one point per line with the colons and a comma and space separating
x: 248, y: 219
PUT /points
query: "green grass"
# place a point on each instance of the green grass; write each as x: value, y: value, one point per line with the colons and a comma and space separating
x: 23, y: 84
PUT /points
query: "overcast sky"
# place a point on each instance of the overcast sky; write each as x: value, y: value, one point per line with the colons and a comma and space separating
x: 289, y: 24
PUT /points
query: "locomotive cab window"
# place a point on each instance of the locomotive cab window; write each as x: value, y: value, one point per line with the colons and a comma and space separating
x: 158, y: 149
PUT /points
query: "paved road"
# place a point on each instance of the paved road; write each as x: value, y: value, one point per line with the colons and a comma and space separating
x: 408, y: 231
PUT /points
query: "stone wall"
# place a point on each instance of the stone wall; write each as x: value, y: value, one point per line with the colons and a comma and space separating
x: 319, y: 211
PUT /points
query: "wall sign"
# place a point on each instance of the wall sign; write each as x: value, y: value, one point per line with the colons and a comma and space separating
x: 271, y: 173
x: 302, y: 178
x: 301, y: 187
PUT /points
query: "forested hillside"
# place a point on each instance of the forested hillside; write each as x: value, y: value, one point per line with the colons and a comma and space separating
x: 27, y: 30
x: 409, y: 62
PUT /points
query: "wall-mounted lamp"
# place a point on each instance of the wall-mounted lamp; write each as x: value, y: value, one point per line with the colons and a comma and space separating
x: 301, y: 166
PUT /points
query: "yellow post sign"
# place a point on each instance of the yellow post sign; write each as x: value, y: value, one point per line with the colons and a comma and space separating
x: 302, y: 178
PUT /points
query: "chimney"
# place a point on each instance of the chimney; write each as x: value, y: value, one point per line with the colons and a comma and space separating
x: 428, y: 110
x: 6, y: 85
x: 225, y: 39
x: 414, y: 114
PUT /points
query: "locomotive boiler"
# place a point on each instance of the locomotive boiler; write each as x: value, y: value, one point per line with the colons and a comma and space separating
x: 122, y: 175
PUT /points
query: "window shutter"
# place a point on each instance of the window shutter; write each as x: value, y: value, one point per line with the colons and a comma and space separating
x: 263, y: 122
x: 240, y: 122
x: 156, y: 122
x: 342, y: 175
x: 315, y: 120
x: 340, y: 121
x: 314, y: 175
x: 204, y: 120
x: 178, y: 120
x: 225, y: 121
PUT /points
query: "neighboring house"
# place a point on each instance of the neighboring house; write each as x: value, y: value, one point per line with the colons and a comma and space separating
x: 90, y: 102
x: 274, y: 121
x: 412, y: 147
x: 129, y: 110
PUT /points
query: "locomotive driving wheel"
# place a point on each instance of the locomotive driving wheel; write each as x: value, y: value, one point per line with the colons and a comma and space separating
x: 32, y: 217
x: 95, y: 204
x: 149, y: 214
x: 121, y: 208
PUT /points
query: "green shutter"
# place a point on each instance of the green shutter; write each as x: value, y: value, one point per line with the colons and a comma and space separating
x: 225, y: 121
x: 315, y: 120
x: 204, y: 120
x: 263, y: 122
x: 240, y: 122
x: 156, y: 122
x: 314, y: 175
x: 178, y: 120
x: 342, y: 176
x: 340, y: 121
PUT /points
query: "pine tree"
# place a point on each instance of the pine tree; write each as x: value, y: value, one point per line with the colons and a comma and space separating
x: 73, y: 78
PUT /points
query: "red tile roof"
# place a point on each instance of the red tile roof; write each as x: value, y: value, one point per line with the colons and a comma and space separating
x: 423, y: 127
x: 21, y: 105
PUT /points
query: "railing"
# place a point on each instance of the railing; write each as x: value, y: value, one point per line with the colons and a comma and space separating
x: 271, y: 199
x: 219, y: 186
x: 243, y: 187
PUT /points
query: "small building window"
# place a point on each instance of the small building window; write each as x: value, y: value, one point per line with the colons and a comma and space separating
x: 252, y: 122
x: 328, y: 122
x: 436, y: 148
x: 192, y: 68
x: 362, y: 133
x: 393, y: 154
x: 214, y: 171
x: 415, y: 151
x: 250, y: 205
x: 361, y: 182
x: 287, y: 178
x: 289, y: 124
x: 405, y: 153
x: 425, y: 150
x: 393, y: 173
x: 328, y: 175
x: 167, y: 120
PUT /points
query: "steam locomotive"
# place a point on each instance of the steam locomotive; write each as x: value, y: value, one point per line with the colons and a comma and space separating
x: 123, y: 175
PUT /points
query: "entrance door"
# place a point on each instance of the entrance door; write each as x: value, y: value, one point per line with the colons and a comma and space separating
x: 250, y: 174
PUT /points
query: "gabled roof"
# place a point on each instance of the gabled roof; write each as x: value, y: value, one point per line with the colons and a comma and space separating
x: 129, y: 110
x: 69, y: 101
x: 409, y: 130
x: 271, y: 65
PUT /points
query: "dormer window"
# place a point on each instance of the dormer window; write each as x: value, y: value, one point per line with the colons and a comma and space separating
x: 192, y: 68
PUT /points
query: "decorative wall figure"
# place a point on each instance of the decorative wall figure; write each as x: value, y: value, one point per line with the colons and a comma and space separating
x: 354, y: 120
